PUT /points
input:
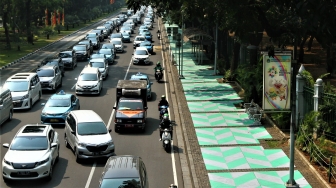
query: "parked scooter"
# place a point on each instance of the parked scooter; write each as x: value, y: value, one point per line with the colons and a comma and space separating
x: 163, y: 110
x: 166, y: 139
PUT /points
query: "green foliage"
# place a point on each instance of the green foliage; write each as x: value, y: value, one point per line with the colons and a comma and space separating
x: 48, y: 30
x: 307, y: 128
x: 309, y: 78
x: 282, y: 120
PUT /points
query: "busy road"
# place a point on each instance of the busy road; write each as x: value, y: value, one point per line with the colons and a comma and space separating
x: 163, y: 168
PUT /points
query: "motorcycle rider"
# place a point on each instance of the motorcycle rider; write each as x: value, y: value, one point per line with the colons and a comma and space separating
x: 163, y: 102
x: 158, y: 67
x: 165, y: 124
x: 158, y: 34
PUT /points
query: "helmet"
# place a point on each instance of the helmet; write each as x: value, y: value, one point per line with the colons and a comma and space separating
x: 165, y: 117
x: 163, y: 97
x: 158, y: 63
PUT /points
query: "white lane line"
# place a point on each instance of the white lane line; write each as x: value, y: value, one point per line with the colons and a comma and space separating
x: 108, y: 127
x: 172, y: 143
x: 73, y: 87
x: 91, y: 174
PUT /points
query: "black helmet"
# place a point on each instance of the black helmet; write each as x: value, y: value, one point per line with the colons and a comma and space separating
x: 163, y: 97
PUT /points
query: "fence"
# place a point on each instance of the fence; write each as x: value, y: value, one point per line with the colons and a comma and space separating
x: 308, y: 95
x: 329, y: 116
x: 316, y: 155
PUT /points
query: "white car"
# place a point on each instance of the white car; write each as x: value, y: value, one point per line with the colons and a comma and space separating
x: 86, y: 133
x: 32, y: 153
x: 141, y: 55
x: 148, y: 24
x: 138, y: 40
x: 101, y: 64
x: 89, y: 81
x: 119, y: 45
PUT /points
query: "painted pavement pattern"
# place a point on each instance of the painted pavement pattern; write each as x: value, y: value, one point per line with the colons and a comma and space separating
x: 228, y: 139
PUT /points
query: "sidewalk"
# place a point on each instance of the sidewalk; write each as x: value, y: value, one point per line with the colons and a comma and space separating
x: 230, y: 152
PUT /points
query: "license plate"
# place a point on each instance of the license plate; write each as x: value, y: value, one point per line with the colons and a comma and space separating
x: 53, y: 120
x: 129, y: 125
x: 96, y: 153
x: 24, y: 173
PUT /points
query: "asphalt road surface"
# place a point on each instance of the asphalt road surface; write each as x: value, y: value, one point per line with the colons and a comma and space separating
x: 163, y: 168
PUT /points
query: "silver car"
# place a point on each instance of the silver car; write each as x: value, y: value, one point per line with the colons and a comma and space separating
x: 50, y: 77
x: 89, y: 81
x: 102, y: 65
x: 86, y: 133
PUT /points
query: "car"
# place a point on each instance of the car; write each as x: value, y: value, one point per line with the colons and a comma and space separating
x: 143, y: 27
x: 147, y: 35
x: 110, y: 46
x: 91, y: 35
x: 32, y: 154
x: 138, y: 40
x: 89, y: 43
x: 95, y: 42
x: 89, y: 81
x: 86, y: 134
x: 141, y: 31
x: 118, y: 44
x: 50, y: 77
x: 109, y: 53
x: 116, y: 35
x: 126, y: 37
x: 141, y: 76
x: 106, y: 31
x: 6, y: 105
x: 148, y: 45
x: 57, y: 108
x: 82, y: 51
x: 109, y: 28
x: 94, y: 56
x: 25, y: 89
x: 149, y: 25
x: 100, y: 33
x: 126, y: 29
x: 124, y: 171
x: 69, y: 58
x: 54, y: 61
x: 101, y: 64
x: 141, y: 55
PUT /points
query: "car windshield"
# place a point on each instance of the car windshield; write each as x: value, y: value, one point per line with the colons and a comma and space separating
x: 97, y: 64
x: 59, y: 102
x: 52, y: 63
x: 125, y: 34
x: 105, y: 51
x: 88, y: 77
x: 140, y: 52
x: 45, y: 73
x: 93, y: 39
x: 140, y: 39
x: 109, y: 46
x: 84, y: 42
x: 17, y: 86
x: 79, y: 48
x: 121, y: 182
x: 130, y: 105
x: 64, y: 55
x: 116, y: 42
x: 91, y: 35
x: 97, y: 56
x: 91, y: 128
x: 29, y: 143
x: 145, y: 44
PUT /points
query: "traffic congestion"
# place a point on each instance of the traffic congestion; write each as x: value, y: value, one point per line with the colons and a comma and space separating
x: 92, y: 115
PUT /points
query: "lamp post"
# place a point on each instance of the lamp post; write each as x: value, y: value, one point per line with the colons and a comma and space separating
x: 178, y: 44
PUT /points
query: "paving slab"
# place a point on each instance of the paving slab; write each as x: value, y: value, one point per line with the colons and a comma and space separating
x: 221, y: 119
x: 271, y: 179
x: 245, y: 157
x: 211, y: 95
x: 214, y: 106
x: 231, y: 136
x: 207, y: 87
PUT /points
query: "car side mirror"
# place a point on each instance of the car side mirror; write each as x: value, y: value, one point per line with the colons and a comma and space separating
x: 74, y: 104
x: 114, y: 107
x: 32, y: 87
x: 53, y: 145
x: 146, y: 108
x: 5, y: 145
x: 42, y: 104
x: 110, y: 130
x: 73, y: 132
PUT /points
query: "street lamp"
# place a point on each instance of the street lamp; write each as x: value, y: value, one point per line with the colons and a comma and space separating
x: 178, y: 44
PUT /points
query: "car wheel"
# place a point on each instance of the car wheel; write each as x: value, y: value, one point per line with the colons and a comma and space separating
x: 76, y: 156
x: 49, y: 177
x: 60, y: 85
x: 57, y: 158
x: 30, y: 104
x: 73, y: 66
x: 78, y: 107
x: 6, y: 180
x: 10, y: 116
x: 116, y: 129
x: 66, y: 141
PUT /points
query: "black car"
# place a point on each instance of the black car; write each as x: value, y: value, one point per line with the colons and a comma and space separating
x: 87, y: 42
x: 95, y: 42
x: 100, y: 33
x: 124, y: 171
x: 82, y: 51
x: 54, y: 61
x: 69, y: 58
x: 111, y: 46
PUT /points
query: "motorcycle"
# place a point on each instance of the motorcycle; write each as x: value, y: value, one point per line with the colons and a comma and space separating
x: 159, y: 35
x: 158, y: 75
x: 163, y: 110
x: 166, y: 139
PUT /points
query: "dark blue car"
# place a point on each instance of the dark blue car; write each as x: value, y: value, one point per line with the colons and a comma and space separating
x: 148, y: 45
x: 147, y: 35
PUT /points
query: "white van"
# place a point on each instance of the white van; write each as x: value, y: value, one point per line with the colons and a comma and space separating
x: 25, y: 89
x: 6, y: 105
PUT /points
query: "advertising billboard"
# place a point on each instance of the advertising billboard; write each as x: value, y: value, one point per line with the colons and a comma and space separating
x: 277, y: 81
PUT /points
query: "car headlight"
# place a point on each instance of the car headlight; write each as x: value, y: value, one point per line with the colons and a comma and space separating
x: 118, y: 120
x: 50, y: 81
x: 79, y: 85
x: 95, y: 85
x: 81, y: 144
x: 26, y: 96
x: 7, y: 162
x: 139, y: 121
x: 42, y: 162
x: 43, y: 113
x: 110, y: 142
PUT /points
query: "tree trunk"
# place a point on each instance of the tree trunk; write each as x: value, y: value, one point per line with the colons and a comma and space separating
x: 310, y: 43
x: 236, y: 53
x: 301, y: 52
x: 48, y: 36
x: 28, y: 20
x: 5, y: 15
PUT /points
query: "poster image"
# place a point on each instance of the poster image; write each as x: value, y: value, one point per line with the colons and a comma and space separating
x: 277, y: 82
